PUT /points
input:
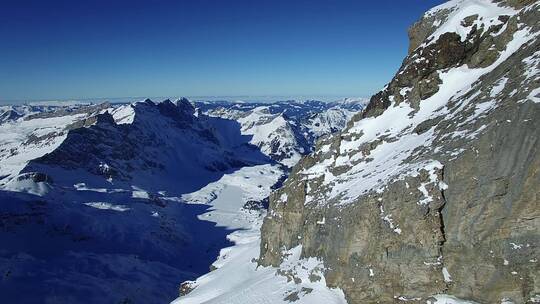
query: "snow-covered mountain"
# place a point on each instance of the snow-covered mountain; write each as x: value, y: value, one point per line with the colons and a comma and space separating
x: 91, y: 200
x: 153, y: 145
x: 284, y: 131
x: 289, y: 129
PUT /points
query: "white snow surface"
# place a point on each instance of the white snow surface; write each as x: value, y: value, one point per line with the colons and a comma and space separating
x: 534, y: 96
x: 238, y: 279
x: 27, y: 185
x: 499, y: 87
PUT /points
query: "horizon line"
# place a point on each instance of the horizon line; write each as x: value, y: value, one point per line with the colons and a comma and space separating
x: 251, y: 98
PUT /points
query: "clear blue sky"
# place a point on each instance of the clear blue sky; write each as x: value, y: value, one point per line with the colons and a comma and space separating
x: 90, y: 49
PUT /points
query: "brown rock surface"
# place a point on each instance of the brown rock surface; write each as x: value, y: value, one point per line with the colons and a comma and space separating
x: 466, y: 225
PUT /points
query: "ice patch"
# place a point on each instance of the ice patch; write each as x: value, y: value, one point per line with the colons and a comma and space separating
x: 140, y: 194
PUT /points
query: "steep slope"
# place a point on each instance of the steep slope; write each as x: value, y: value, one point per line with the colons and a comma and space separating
x: 434, y: 187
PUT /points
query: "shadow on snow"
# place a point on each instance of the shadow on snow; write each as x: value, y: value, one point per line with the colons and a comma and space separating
x: 99, y: 243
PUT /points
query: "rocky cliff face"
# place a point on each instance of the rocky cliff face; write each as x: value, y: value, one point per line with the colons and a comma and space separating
x: 434, y: 188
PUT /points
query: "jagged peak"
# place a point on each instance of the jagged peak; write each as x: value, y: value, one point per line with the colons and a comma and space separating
x: 149, y: 102
x: 262, y: 110
x: 185, y: 105
x: 183, y: 100
x: 166, y: 105
x: 180, y: 111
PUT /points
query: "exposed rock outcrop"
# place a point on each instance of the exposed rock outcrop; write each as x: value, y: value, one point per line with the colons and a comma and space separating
x: 434, y: 187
